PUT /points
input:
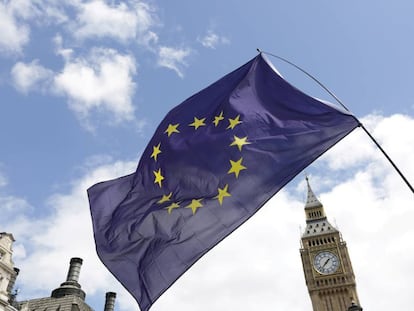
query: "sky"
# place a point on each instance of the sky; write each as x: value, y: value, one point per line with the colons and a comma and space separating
x: 84, y: 84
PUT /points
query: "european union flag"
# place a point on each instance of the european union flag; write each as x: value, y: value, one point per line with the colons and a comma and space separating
x: 212, y: 163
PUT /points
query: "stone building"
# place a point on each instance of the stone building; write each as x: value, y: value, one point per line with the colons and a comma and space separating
x: 69, y: 296
x: 8, y: 272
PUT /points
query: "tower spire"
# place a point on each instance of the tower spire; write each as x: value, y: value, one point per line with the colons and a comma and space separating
x: 311, y: 200
x: 313, y: 208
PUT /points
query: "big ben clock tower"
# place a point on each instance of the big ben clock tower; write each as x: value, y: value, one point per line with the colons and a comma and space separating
x: 326, y: 263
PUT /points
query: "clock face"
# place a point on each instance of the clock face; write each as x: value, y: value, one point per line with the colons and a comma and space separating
x: 326, y: 262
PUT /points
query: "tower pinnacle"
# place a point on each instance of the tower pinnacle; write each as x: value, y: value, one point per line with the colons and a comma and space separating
x: 313, y: 208
x: 311, y: 200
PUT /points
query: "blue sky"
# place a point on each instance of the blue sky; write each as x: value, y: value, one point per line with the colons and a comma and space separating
x: 83, y: 85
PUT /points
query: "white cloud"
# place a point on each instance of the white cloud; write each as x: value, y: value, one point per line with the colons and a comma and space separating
x: 125, y: 21
x: 10, y: 205
x: 15, y: 216
x: 66, y: 53
x: 390, y: 132
x: 15, y: 19
x: 3, y: 180
x: 42, y: 12
x: 173, y: 58
x: 212, y: 40
x: 14, y: 34
x: 103, y: 81
x: 24, y: 8
x: 31, y: 76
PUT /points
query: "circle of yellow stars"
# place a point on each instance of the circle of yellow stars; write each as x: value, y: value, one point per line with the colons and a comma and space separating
x: 236, y: 166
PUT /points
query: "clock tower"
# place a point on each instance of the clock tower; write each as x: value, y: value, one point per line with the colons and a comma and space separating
x: 326, y: 263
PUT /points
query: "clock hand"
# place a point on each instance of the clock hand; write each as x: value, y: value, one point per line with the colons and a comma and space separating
x: 326, y: 262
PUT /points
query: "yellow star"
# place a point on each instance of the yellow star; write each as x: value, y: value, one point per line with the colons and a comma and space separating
x: 198, y: 122
x: 171, y: 207
x: 218, y: 118
x: 156, y: 151
x: 222, y: 193
x: 234, y: 122
x: 236, y: 167
x: 165, y: 198
x: 194, y: 205
x: 172, y: 128
x: 240, y: 142
x: 158, y: 177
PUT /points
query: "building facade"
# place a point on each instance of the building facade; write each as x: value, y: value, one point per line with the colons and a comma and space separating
x: 8, y: 272
x: 69, y: 296
x: 326, y: 263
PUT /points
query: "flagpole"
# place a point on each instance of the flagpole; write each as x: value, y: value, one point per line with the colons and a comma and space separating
x: 388, y: 158
x: 340, y: 102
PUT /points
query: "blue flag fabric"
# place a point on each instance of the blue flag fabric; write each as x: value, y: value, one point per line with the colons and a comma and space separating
x: 212, y: 163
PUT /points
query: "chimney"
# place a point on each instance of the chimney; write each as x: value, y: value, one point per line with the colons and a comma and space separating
x: 71, y: 285
x: 74, y: 270
x: 110, y: 301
